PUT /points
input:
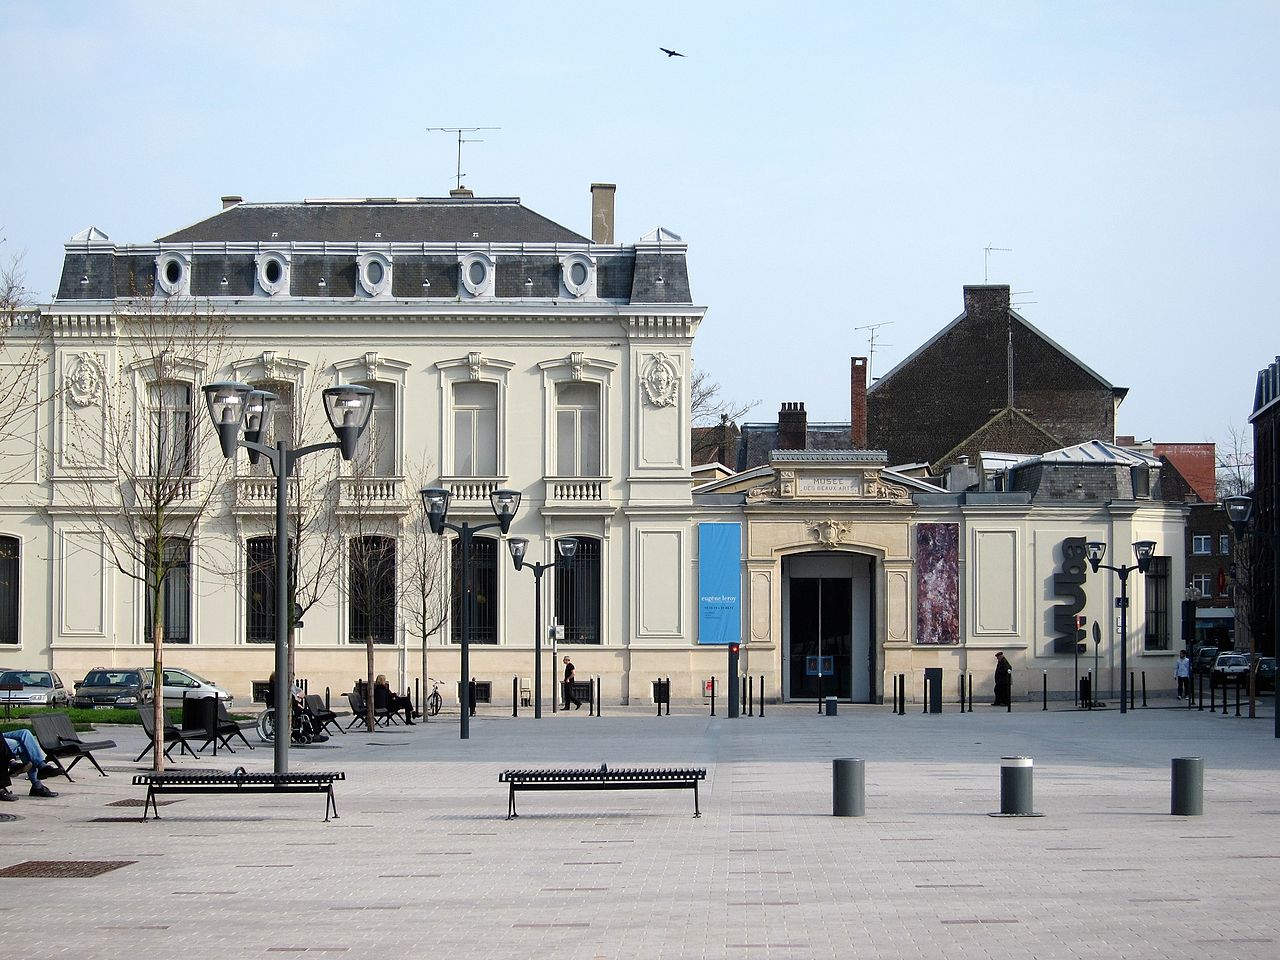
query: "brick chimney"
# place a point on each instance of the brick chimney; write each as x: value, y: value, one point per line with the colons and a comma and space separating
x: 230, y: 201
x: 793, y: 427
x: 602, y: 196
x: 858, y: 402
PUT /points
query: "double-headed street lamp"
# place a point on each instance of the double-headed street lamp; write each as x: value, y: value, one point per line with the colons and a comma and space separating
x: 1095, y: 550
x: 566, y: 547
x: 1240, y: 514
x: 233, y: 406
x: 435, y: 501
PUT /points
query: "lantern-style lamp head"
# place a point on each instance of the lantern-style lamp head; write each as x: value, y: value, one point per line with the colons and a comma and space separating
x: 257, y: 413
x: 435, y: 503
x: 348, y: 407
x: 567, y: 548
x: 1095, y: 550
x: 226, y: 402
x: 505, y: 503
x: 1239, y: 512
x: 518, y: 547
x: 1144, y: 550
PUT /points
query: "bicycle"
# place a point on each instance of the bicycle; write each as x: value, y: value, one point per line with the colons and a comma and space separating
x: 433, y: 702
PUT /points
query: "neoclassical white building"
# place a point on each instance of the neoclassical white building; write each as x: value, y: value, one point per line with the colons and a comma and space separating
x: 507, y: 351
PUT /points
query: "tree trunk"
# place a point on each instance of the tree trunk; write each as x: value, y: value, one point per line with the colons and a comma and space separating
x: 369, y: 696
x: 157, y: 685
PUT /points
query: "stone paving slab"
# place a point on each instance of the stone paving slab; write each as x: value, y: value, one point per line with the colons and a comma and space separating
x: 422, y: 861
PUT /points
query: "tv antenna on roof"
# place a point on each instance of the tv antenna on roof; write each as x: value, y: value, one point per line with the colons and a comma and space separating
x: 986, y: 257
x: 871, y: 337
x: 460, y: 131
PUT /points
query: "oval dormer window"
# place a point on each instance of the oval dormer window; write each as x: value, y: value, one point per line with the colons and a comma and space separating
x: 577, y: 271
x: 173, y: 274
x: 375, y: 274
x: 273, y: 273
x: 477, y: 274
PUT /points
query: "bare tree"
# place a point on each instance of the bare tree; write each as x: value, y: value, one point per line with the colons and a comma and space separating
x: 144, y: 459
x: 24, y: 349
x: 424, y: 595
x: 707, y: 405
x: 1235, y: 462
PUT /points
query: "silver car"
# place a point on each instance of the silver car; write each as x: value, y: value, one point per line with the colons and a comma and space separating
x: 180, y: 684
x: 38, y: 688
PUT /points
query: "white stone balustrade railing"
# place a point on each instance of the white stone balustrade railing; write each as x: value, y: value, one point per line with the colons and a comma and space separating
x: 564, y: 490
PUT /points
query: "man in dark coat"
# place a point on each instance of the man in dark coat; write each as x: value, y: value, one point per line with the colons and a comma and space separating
x: 568, y: 687
x: 1004, y: 682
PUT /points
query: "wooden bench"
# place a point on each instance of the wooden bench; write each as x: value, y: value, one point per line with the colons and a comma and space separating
x: 239, y: 782
x: 602, y: 778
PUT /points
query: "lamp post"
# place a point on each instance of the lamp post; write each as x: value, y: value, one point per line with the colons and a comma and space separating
x: 435, y: 502
x: 236, y: 405
x: 1095, y: 550
x: 566, y: 548
x: 1240, y: 515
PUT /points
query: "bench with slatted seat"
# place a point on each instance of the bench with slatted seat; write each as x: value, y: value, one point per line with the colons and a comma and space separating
x: 237, y: 781
x: 602, y: 778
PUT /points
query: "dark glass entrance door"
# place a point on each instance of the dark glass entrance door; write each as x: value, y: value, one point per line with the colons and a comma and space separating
x: 821, y: 626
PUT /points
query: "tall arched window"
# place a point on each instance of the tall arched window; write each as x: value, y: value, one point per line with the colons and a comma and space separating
x: 484, y: 590
x: 578, y: 593
x: 10, y: 570
x: 371, y: 590
x: 175, y: 591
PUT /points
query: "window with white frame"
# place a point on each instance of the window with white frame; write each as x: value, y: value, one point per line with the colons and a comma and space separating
x: 1224, y: 544
x: 1204, y: 583
x: 281, y: 425
x: 371, y: 590
x: 376, y: 453
x: 578, y: 597
x: 475, y: 429
x: 169, y: 419
x: 9, y: 582
x: 1157, y: 595
x: 577, y: 428
x: 1202, y: 544
x: 175, y: 591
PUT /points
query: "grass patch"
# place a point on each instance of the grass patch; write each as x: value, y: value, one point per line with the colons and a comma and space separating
x: 85, y: 719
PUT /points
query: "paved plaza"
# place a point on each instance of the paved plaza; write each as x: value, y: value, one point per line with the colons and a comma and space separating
x: 422, y: 862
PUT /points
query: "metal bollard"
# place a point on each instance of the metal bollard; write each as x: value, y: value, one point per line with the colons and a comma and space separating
x: 1238, y: 686
x: 1187, y: 787
x: 1044, y: 692
x: 1131, y: 691
x: 326, y: 698
x: 713, y: 695
x: 902, y: 692
x: 1144, y: 688
x: 1200, y: 699
x: 848, y: 787
x: 1015, y: 787
x: 761, y: 695
x: 515, y: 696
x: 751, y: 696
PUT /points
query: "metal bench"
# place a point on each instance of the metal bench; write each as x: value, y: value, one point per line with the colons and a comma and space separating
x: 602, y: 778
x: 237, y: 781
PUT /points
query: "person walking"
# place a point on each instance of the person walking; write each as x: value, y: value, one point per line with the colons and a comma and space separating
x: 568, y: 687
x: 1182, y: 673
x: 1004, y: 682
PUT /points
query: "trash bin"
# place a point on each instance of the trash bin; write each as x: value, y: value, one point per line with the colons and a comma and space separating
x: 933, y: 685
x: 831, y: 703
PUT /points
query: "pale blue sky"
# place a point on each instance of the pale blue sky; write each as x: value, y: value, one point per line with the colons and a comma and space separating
x: 831, y: 165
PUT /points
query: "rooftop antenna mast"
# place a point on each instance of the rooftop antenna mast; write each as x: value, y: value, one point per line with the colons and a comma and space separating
x: 461, y: 140
x: 871, y: 346
x: 986, y: 257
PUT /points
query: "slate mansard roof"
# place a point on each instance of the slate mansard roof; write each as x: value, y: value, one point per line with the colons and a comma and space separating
x: 423, y: 242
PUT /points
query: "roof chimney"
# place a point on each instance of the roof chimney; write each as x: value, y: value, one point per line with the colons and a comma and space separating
x: 602, y: 212
x: 793, y: 427
x: 230, y: 201
x: 461, y: 193
x: 858, y: 402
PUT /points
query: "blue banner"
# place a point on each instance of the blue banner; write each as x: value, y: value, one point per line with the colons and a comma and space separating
x: 719, y: 582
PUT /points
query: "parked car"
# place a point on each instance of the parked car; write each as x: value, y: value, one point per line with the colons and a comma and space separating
x: 1202, y: 660
x: 1266, y: 679
x: 1230, y: 669
x: 114, y: 687
x: 180, y: 684
x: 40, y: 688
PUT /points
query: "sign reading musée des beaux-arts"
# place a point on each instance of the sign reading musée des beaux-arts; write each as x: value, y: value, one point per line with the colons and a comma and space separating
x: 846, y: 486
x: 719, y: 582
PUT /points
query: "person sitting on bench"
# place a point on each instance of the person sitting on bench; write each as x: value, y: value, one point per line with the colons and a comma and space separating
x: 25, y: 756
x: 382, y: 696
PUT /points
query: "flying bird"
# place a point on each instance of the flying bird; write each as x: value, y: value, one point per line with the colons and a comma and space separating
x: 671, y: 53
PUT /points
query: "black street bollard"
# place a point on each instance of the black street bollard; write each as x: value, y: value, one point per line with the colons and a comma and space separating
x: 1144, y: 688
x: 1238, y: 686
x: 515, y: 696
x: 971, y: 693
x: 751, y: 696
x: 924, y: 698
x: 1044, y: 693
x: 962, y: 693
x: 1131, y: 691
x: 713, y: 695
x: 848, y: 787
x: 1187, y: 787
x: 902, y: 692
x: 599, y: 696
x: 1201, y: 699
x: 327, y: 706
x: 762, y: 694
x: 1015, y: 787
x: 417, y: 700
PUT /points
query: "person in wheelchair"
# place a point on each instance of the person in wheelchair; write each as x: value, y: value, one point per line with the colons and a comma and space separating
x: 306, y: 726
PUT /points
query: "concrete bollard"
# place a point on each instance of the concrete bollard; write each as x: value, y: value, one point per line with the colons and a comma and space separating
x: 1015, y: 787
x: 849, y: 787
x: 1187, y: 782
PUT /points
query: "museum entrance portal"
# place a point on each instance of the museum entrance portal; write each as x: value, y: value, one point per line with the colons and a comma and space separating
x: 827, y: 607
